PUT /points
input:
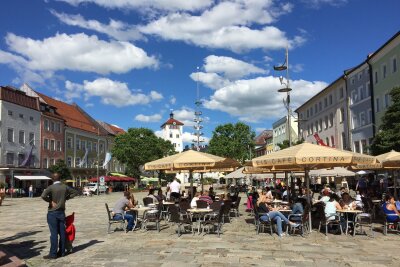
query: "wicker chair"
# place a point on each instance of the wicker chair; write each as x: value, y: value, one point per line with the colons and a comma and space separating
x: 180, y: 219
x: 211, y: 221
x: 261, y: 223
x: 332, y: 219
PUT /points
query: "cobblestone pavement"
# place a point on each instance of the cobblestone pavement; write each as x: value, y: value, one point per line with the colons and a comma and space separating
x: 24, y: 232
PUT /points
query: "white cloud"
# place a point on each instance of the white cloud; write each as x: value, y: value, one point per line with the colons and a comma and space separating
x: 79, y: 52
x: 231, y: 68
x: 148, y: 118
x: 111, y: 92
x: 255, y: 99
x: 268, y: 59
x: 318, y: 3
x: 211, y: 80
x: 297, y: 68
x: 170, y: 5
x: 259, y: 130
x: 172, y: 100
x: 115, y: 29
x: 189, y: 137
x: 184, y: 115
x: 227, y: 24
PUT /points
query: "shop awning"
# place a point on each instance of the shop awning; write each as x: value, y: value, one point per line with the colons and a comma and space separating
x: 32, y: 177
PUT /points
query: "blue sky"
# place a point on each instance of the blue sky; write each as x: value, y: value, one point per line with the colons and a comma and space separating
x: 130, y: 62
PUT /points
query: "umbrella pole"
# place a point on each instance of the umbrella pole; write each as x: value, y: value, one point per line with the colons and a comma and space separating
x: 394, y: 184
x: 307, y: 177
x: 191, y: 183
x: 202, y: 182
x: 287, y: 186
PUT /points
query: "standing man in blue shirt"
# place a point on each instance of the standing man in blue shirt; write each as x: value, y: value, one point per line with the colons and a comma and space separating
x: 56, y: 195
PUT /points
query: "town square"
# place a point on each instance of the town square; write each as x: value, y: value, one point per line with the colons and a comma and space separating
x: 199, y: 133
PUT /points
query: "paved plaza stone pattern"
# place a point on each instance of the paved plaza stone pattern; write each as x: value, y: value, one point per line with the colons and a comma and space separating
x: 24, y: 232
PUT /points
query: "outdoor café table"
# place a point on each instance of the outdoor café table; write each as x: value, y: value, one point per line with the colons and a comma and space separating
x: 347, y: 212
x: 199, y: 212
x: 168, y: 203
x: 275, y: 202
x: 140, y: 209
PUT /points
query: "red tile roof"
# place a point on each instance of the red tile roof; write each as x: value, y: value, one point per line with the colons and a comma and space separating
x: 15, y: 96
x: 172, y: 121
x: 116, y: 129
x: 73, y: 117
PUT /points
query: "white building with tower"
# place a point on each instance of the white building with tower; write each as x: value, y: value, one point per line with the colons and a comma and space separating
x: 172, y: 131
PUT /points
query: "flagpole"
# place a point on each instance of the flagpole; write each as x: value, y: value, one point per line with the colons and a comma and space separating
x: 98, y: 161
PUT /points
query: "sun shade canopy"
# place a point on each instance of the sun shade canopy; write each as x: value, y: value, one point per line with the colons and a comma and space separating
x: 35, y: 177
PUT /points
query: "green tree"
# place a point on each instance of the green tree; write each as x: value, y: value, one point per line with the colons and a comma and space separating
x: 285, y: 143
x: 234, y: 141
x: 61, y: 168
x: 388, y: 136
x: 138, y: 146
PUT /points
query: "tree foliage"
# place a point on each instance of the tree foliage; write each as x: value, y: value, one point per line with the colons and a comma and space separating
x: 232, y: 141
x: 285, y: 143
x: 138, y: 146
x: 388, y: 136
x: 62, y: 169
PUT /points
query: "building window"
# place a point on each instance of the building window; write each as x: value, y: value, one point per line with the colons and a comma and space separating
x: 316, y: 126
x: 21, y: 158
x: 58, y: 127
x: 78, y: 144
x: 45, y: 163
x: 363, y: 146
x: 387, y: 100
x: 32, y: 139
x: 52, y: 145
x: 21, y: 138
x: 316, y: 109
x: 352, y: 80
x: 83, y: 145
x: 69, y: 161
x: 354, y: 96
x: 344, y: 144
x: 311, y: 111
x: 341, y: 115
x: 320, y: 106
x: 362, y: 118
x: 10, y: 158
x: 10, y: 135
x: 101, y: 147
x: 77, y: 162
x: 360, y: 75
x: 360, y: 92
x: 384, y: 71
x: 170, y: 135
x: 177, y: 136
x: 369, y: 118
x: 46, y: 144
x: 312, y: 128
x: 394, y: 65
x: 95, y: 147
x: 326, y: 122
x: 31, y: 118
x: 10, y: 113
x: 341, y: 92
x: 89, y: 146
x: 69, y: 143
x: 330, y: 99
x: 320, y: 125
x: 46, y: 125
x: 59, y: 146
x: 331, y: 120
x: 308, y: 113
x: 377, y: 106
x: 21, y: 116
x: 368, y: 86
x: 357, y: 146
x: 52, y: 162
x: 376, y: 77
x: 325, y: 102
x: 174, y: 144
x: 355, y: 122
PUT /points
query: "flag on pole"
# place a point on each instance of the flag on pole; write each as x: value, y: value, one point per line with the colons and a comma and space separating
x: 27, y: 159
x: 84, y: 159
x: 107, y: 159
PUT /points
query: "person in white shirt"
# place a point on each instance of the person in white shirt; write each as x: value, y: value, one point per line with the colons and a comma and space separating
x: 175, y: 189
x: 193, y: 203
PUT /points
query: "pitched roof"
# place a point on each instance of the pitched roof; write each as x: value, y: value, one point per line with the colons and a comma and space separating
x: 116, y: 129
x: 72, y: 115
x: 261, y: 138
x: 111, y: 129
x: 15, y: 96
x: 171, y: 121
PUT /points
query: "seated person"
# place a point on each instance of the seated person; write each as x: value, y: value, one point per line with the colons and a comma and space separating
x: 269, y: 195
x: 347, y: 202
x: 124, y: 203
x: 331, y: 208
x: 211, y: 193
x: 358, y: 202
x: 160, y: 196
x: 389, y: 208
x: 341, y: 191
x: 325, y: 196
x: 151, y: 195
x: 205, y: 197
x: 193, y: 203
x: 273, y: 214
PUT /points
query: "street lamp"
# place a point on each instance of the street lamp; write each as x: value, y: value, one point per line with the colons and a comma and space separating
x: 286, y: 89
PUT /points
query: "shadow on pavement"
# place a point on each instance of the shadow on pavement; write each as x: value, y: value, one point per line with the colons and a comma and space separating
x: 86, y: 245
x: 19, y: 235
x: 25, y: 249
